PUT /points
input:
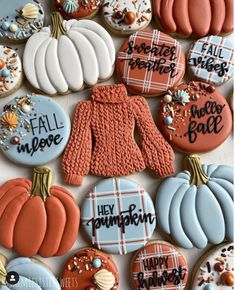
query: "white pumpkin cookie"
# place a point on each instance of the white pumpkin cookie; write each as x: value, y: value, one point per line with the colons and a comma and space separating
x: 11, y: 75
x: 68, y: 55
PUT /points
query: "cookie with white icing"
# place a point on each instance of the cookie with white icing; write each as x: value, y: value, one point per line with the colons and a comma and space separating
x: 19, y: 19
x: 211, y: 59
x: 11, y: 74
x: 215, y: 270
x: 126, y: 16
x: 68, y: 55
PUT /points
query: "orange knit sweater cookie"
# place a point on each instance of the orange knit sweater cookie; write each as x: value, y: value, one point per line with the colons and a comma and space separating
x: 102, y: 140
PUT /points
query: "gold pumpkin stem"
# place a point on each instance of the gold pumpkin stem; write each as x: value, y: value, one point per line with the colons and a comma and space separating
x: 195, y: 168
x: 3, y: 273
x: 42, y: 180
x: 58, y: 28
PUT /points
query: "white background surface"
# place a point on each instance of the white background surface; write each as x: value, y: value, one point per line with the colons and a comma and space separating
x: 8, y: 170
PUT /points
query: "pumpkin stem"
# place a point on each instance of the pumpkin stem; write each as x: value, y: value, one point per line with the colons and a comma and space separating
x: 42, y: 179
x: 3, y: 272
x: 57, y: 27
x: 194, y: 166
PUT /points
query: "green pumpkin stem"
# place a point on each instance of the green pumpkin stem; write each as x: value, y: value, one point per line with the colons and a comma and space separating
x: 42, y: 180
x: 58, y: 28
x: 195, y: 168
x: 3, y: 273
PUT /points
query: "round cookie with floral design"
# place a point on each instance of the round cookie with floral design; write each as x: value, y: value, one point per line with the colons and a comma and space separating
x: 150, y: 62
x: 215, y: 270
x: 126, y: 16
x: 159, y: 265
x: 19, y: 19
x: 90, y: 269
x: 78, y: 9
x: 11, y: 74
x: 195, y: 117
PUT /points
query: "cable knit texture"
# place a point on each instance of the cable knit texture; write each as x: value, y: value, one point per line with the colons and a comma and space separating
x: 102, y: 140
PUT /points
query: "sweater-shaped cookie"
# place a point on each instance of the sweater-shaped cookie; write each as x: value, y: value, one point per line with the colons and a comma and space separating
x: 195, y: 117
x: 196, y: 206
x: 19, y: 19
x: 102, y: 140
x: 36, y: 217
x: 197, y: 18
x: 26, y: 273
x: 68, y: 55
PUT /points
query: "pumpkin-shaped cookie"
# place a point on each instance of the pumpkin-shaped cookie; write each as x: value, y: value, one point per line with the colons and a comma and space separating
x: 196, y: 206
x: 37, y: 218
x: 191, y: 17
x: 68, y: 55
x: 26, y: 273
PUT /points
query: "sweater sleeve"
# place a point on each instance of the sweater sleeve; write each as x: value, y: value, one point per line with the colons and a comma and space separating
x: 77, y: 156
x: 157, y: 153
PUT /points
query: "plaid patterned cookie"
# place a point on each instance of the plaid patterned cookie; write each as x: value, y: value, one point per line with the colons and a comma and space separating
x: 118, y: 216
x: 150, y: 62
x: 159, y: 265
x: 211, y: 59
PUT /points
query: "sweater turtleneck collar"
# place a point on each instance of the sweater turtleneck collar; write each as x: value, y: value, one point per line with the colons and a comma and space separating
x: 110, y: 94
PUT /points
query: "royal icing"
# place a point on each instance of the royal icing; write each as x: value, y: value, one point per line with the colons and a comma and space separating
x: 91, y: 269
x: 192, y: 113
x: 19, y: 19
x: 210, y: 17
x: 150, y: 62
x: 159, y: 265
x: 34, y: 130
x: 127, y: 16
x: 196, y: 206
x: 68, y: 55
x: 211, y: 59
x: 118, y: 216
x: 215, y: 271
x: 71, y: 9
x: 20, y: 273
x: 10, y: 71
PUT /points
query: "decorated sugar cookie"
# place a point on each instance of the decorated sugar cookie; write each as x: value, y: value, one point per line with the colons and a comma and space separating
x: 193, y: 113
x: 196, y: 206
x: 150, y: 62
x: 34, y: 130
x: 68, y: 55
x: 72, y: 9
x: 19, y: 19
x: 215, y: 270
x: 189, y: 17
x: 118, y: 216
x: 211, y: 59
x: 159, y: 265
x: 11, y: 74
x: 92, y: 269
x: 126, y: 16
x: 36, y: 217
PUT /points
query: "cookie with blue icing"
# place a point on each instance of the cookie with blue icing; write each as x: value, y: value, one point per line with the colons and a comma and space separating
x: 34, y: 130
x: 211, y: 59
x: 118, y: 216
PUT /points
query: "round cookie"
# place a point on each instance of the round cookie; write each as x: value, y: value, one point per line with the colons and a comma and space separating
x: 196, y: 206
x: 193, y: 113
x: 68, y: 55
x: 11, y: 74
x: 90, y: 269
x: 211, y: 59
x: 125, y: 16
x: 74, y: 9
x: 187, y: 17
x: 19, y: 19
x: 118, y: 216
x: 34, y: 130
x: 19, y: 272
x: 150, y: 62
x: 215, y: 270
x: 159, y: 265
